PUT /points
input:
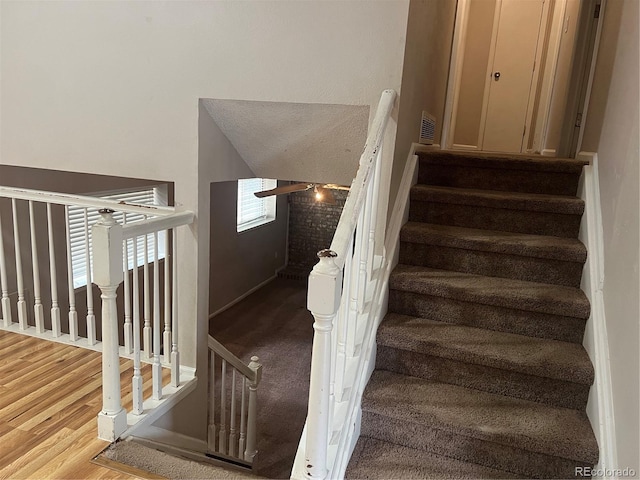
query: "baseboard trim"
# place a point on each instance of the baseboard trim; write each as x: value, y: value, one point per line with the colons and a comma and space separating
x: 421, y: 147
x: 243, y: 296
x: 548, y: 152
x: 600, y: 408
x: 462, y: 146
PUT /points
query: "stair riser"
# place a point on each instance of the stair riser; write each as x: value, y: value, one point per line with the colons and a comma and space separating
x: 493, y: 380
x: 501, y: 319
x: 461, y: 447
x: 550, y: 183
x: 505, y: 220
x: 492, y: 264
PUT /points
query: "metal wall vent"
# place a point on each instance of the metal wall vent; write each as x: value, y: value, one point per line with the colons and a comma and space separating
x: 427, y: 129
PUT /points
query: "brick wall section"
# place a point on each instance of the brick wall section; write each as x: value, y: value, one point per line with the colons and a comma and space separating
x: 311, y: 227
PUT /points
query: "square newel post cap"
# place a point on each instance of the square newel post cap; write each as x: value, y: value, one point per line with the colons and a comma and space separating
x: 325, y: 285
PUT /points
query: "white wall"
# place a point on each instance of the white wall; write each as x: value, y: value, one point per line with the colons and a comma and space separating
x: 113, y: 88
x: 615, y: 112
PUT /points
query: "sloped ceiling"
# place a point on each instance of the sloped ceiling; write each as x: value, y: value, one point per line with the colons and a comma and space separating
x: 294, y: 141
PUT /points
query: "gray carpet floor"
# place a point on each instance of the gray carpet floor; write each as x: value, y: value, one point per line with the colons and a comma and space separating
x: 274, y: 324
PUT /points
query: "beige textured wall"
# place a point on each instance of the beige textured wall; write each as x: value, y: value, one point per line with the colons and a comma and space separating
x: 562, y: 76
x: 474, y: 69
x: 424, y: 75
x: 602, y: 76
x: 614, y: 131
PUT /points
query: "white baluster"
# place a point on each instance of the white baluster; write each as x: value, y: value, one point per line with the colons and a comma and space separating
x: 350, y: 289
x: 211, y: 434
x: 359, y: 267
x: 375, y: 189
x: 323, y: 302
x: 175, y: 354
x: 166, y: 341
x: 22, y: 304
x: 128, y: 328
x: 6, y: 304
x: 364, y: 225
x: 38, y: 309
x: 252, y: 414
x: 73, y: 314
x: 107, y: 241
x: 146, y: 332
x: 137, y: 373
x: 53, y: 273
x: 222, y: 440
x: 243, y: 420
x: 233, y: 434
x: 156, y: 369
x: 346, y: 331
x: 91, y: 318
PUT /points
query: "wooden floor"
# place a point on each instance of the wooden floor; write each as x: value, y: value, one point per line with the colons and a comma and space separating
x: 50, y: 395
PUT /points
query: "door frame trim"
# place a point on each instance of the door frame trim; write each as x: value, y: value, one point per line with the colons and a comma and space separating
x: 455, y: 74
x: 548, y: 81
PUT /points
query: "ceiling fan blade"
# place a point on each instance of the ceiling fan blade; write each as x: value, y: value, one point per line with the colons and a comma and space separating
x: 296, y: 187
x: 334, y: 186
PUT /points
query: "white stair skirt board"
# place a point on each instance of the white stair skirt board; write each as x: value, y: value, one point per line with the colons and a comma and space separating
x: 600, y: 404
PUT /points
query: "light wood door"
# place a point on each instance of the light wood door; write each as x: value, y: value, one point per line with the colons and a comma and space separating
x: 511, y: 74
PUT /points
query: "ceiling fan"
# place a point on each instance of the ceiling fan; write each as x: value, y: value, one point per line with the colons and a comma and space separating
x: 322, y: 190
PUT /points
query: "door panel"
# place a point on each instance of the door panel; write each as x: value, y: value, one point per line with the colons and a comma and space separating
x: 514, y: 57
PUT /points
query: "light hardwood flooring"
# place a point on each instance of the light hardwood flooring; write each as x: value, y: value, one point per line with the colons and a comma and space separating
x: 50, y: 395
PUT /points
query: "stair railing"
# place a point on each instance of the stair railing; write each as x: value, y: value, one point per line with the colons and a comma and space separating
x: 345, y: 299
x: 107, y: 264
x: 232, y: 431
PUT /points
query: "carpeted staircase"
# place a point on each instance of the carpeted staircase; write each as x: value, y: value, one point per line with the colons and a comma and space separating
x: 480, y: 369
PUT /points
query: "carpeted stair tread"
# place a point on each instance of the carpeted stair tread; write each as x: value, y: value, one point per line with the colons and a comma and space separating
x: 502, y: 292
x: 509, y: 161
x: 529, y: 355
x: 497, y: 419
x: 375, y: 459
x: 539, y: 246
x: 533, y: 202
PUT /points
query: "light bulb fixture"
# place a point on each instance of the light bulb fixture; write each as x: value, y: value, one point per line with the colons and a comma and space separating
x: 317, y: 192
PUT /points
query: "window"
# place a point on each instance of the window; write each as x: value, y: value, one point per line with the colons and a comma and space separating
x: 150, y: 196
x: 254, y: 211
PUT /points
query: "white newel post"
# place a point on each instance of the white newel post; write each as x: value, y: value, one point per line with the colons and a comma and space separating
x: 252, y: 415
x: 325, y: 285
x: 107, y: 248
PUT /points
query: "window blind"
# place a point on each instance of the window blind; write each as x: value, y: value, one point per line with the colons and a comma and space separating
x: 253, y: 211
x: 152, y: 196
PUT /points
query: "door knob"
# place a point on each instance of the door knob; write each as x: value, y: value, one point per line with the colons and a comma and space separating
x: 496, y: 76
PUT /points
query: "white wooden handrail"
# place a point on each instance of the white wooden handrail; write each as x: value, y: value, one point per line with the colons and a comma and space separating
x: 345, y: 299
x: 138, y: 229
x: 224, y: 384
x: 358, y: 190
x: 83, y: 201
x: 105, y: 257
x: 234, y: 361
